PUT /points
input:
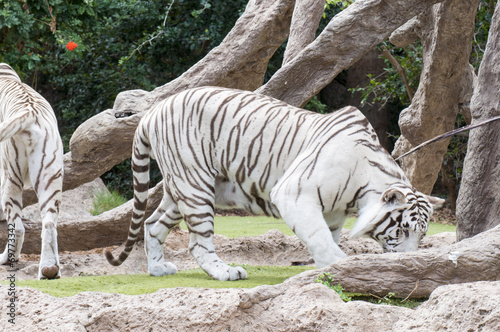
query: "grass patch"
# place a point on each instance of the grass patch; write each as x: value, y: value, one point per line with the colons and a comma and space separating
x: 136, y: 284
x: 390, y: 299
x: 435, y: 228
x: 105, y: 200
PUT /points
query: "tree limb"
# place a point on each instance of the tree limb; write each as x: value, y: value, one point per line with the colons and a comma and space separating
x: 348, y: 36
x: 401, y: 72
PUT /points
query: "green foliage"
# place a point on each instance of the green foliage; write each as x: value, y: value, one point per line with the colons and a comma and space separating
x: 341, y: 4
x: 136, y: 284
x: 104, y: 201
x: 389, y: 86
x: 316, y: 106
x: 328, y: 280
x: 122, y: 45
x: 483, y: 23
x: 390, y: 299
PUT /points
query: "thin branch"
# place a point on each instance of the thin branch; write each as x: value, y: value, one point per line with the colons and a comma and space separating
x: 448, y: 134
x: 399, y: 69
x: 413, y: 291
x: 154, y: 36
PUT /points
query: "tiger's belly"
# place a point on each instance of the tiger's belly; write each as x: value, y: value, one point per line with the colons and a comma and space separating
x: 247, y: 196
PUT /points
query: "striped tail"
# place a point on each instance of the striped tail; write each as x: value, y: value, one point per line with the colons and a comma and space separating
x: 140, y: 169
x: 14, y: 125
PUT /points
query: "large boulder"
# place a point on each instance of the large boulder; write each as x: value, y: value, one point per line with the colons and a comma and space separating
x: 294, y: 305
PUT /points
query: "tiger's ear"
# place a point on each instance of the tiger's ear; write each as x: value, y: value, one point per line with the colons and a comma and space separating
x: 436, y: 202
x: 394, y: 196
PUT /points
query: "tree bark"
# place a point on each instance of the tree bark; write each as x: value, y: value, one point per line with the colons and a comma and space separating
x: 305, y: 22
x: 447, y: 31
x: 348, y: 36
x: 478, y: 204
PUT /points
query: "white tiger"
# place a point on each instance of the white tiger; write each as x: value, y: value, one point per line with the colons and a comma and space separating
x: 229, y: 148
x: 31, y: 152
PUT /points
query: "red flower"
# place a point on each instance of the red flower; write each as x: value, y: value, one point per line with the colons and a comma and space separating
x: 71, y: 45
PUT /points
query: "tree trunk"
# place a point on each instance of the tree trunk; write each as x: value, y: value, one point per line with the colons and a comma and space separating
x: 305, y: 22
x: 446, y: 34
x: 478, y: 205
x: 348, y: 36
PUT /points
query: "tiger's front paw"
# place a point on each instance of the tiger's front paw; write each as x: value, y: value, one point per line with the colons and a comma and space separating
x: 230, y: 274
x: 162, y: 269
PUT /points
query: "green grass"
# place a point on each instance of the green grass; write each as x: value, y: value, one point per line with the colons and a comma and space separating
x: 435, y: 228
x: 136, y: 284
x: 232, y: 227
x: 104, y: 201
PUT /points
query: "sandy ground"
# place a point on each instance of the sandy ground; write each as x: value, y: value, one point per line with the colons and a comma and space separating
x: 272, y: 248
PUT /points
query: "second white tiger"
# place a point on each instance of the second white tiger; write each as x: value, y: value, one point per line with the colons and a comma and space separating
x: 230, y: 148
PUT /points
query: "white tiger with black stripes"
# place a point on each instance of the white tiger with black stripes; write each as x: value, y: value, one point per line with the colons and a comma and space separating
x: 31, y: 152
x: 230, y: 148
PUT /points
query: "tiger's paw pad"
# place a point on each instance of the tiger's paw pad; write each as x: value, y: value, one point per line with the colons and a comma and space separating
x: 49, y: 272
x: 162, y: 269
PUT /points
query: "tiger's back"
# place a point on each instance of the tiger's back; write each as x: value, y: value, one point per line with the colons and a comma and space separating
x: 230, y: 148
x: 216, y: 125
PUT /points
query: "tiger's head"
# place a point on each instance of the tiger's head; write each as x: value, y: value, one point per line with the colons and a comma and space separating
x: 399, y: 220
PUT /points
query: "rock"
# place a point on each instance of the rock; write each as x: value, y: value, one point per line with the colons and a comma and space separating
x: 75, y: 204
x: 418, y: 273
x: 294, y: 305
x: 464, y: 307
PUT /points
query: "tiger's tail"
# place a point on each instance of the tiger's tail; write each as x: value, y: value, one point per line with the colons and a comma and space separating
x: 140, y: 168
x: 11, y: 126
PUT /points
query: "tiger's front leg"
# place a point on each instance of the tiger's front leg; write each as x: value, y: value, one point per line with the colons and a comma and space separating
x: 49, y: 199
x: 304, y: 216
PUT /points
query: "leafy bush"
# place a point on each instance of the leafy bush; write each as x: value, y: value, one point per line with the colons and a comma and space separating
x: 390, y: 299
x: 104, y: 201
x: 121, y: 45
x: 328, y: 280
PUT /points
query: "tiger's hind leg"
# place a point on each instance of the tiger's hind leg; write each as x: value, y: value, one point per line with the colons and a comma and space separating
x: 156, y: 229
x: 11, y: 196
x: 47, y: 179
x: 200, y: 222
